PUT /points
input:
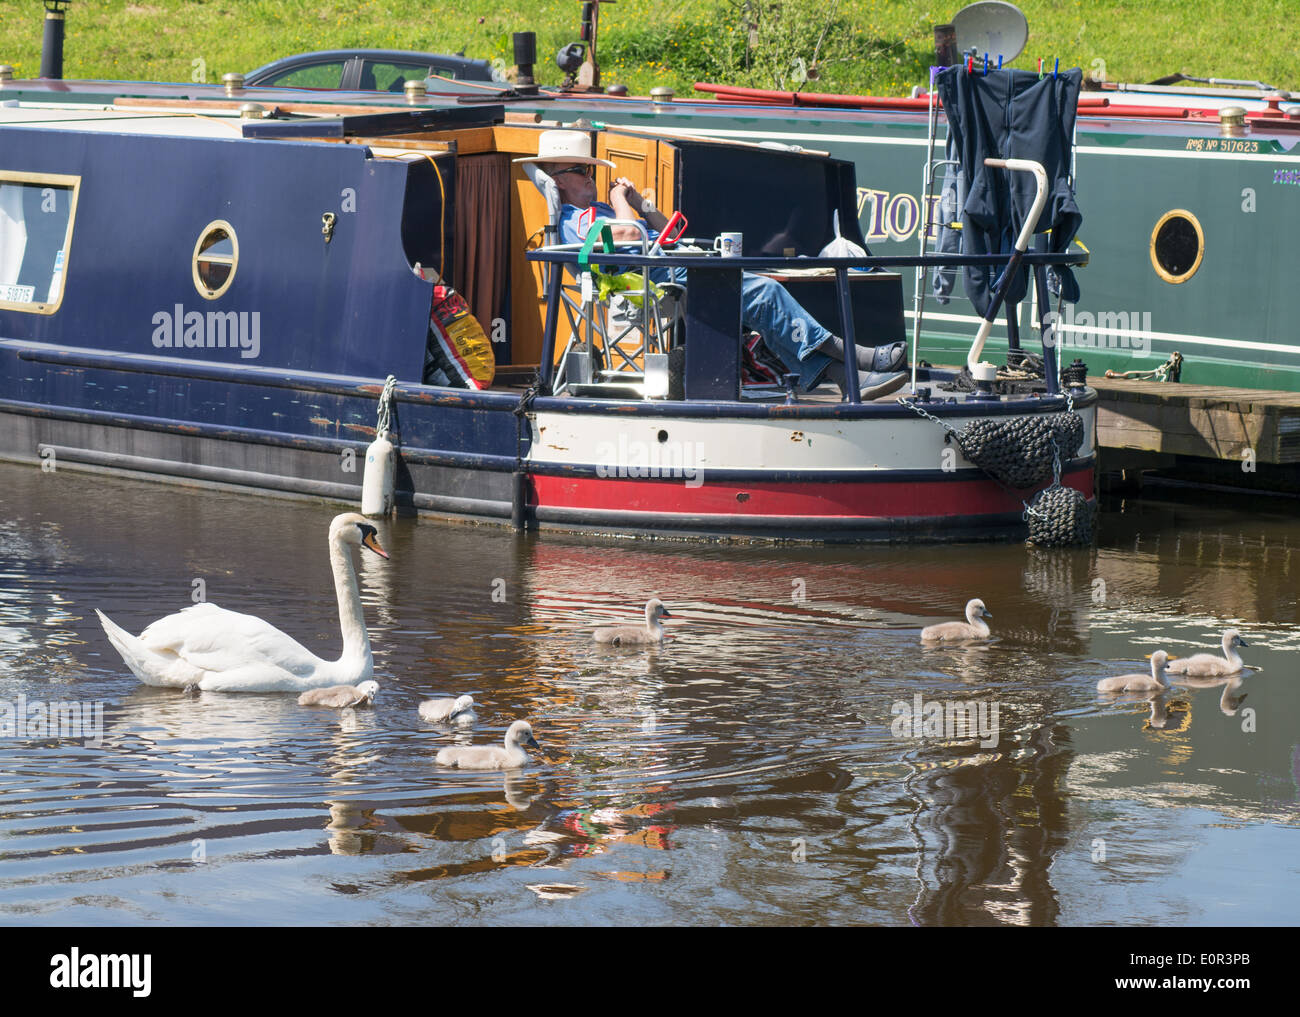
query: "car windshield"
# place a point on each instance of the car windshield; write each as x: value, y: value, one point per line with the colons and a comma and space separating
x: 383, y: 76
x: 319, y: 75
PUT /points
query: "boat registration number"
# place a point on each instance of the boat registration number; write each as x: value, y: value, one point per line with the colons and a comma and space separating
x: 17, y: 294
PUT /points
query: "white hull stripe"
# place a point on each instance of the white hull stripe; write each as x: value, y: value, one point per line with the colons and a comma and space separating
x: 692, y: 445
x: 1172, y: 337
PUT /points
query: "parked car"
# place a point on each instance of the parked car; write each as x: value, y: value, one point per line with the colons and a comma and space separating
x: 366, y: 70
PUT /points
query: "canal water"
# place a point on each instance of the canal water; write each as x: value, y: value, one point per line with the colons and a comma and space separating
x: 779, y: 760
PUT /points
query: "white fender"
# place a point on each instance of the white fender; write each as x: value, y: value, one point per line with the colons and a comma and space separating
x: 378, y: 480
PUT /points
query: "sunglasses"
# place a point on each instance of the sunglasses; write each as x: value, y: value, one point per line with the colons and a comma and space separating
x: 586, y: 171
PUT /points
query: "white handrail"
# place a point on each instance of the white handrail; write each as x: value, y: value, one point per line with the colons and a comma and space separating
x: 987, y: 371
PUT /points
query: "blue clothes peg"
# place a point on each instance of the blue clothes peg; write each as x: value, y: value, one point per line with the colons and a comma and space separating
x: 1056, y: 64
x: 986, y: 65
x: 999, y: 61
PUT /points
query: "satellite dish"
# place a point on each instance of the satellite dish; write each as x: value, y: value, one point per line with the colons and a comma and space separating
x: 993, y: 27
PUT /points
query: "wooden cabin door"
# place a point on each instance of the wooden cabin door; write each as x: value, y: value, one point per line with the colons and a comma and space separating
x: 642, y: 160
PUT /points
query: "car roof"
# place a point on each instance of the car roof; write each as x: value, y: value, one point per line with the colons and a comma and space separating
x: 459, y: 63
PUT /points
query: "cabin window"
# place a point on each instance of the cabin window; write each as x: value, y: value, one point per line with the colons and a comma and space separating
x: 216, y: 257
x: 1177, y: 246
x: 36, y: 216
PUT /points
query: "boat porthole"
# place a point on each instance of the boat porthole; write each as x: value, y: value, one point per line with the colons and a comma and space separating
x: 216, y: 256
x: 1177, y: 246
x: 663, y: 437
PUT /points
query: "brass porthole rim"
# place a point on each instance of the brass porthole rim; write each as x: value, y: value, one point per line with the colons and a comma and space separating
x: 1167, y: 276
x: 219, y: 259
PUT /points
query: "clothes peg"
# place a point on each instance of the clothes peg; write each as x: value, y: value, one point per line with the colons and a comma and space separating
x: 1040, y: 68
x: 986, y: 65
x: 1055, y: 67
x: 999, y: 61
x: 970, y: 65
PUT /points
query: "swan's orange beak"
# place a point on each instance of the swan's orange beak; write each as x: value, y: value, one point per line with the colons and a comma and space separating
x: 372, y: 542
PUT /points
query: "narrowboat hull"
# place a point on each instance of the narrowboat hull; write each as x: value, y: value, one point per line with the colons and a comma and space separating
x: 589, y: 466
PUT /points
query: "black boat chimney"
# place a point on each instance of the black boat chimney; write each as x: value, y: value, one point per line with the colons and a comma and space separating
x: 52, y: 39
x: 525, y: 56
x: 945, y: 46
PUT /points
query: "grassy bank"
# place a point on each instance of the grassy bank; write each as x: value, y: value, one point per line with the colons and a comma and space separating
x: 878, y: 46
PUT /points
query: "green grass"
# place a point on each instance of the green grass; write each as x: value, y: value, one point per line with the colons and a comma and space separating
x: 878, y: 46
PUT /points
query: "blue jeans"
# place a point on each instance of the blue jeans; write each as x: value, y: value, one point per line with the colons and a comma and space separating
x: 787, y: 329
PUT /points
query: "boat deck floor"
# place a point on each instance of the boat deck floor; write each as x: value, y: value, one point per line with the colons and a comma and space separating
x: 822, y: 396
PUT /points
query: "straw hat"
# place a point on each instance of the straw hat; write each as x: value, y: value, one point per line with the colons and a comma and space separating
x: 565, y: 146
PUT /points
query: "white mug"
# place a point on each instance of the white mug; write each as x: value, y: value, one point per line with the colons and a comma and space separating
x: 730, y: 245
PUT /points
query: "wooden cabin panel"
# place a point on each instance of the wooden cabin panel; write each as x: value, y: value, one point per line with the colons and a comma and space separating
x: 517, y: 141
x: 665, y: 197
x: 634, y: 157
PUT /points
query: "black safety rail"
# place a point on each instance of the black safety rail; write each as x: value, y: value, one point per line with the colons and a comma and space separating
x: 712, y: 313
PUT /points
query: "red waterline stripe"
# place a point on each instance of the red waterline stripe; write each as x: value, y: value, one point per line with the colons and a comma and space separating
x: 876, y: 499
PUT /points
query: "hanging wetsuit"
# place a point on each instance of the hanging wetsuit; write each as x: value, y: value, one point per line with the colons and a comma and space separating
x: 1012, y: 115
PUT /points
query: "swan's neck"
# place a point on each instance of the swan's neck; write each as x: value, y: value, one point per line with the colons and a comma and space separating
x: 1230, y: 652
x: 1158, y: 672
x: 652, y: 624
x: 356, y: 641
x: 977, y: 623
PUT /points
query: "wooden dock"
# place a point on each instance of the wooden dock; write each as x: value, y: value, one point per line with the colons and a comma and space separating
x: 1229, y: 433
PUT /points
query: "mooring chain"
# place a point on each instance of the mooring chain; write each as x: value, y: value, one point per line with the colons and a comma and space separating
x: 928, y: 416
x: 385, y: 407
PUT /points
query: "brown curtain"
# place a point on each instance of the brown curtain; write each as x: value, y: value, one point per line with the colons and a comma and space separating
x: 482, y: 234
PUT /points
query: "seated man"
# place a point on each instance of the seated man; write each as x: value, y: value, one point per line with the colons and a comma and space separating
x: 795, y: 336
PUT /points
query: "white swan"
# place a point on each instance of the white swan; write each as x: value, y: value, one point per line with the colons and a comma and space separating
x: 340, y: 696
x: 225, y: 651
x: 511, y: 756
x: 1207, y: 665
x: 635, y: 635
x: 1155, y: 681
x: 449, y: 711
x: 974, y: 627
